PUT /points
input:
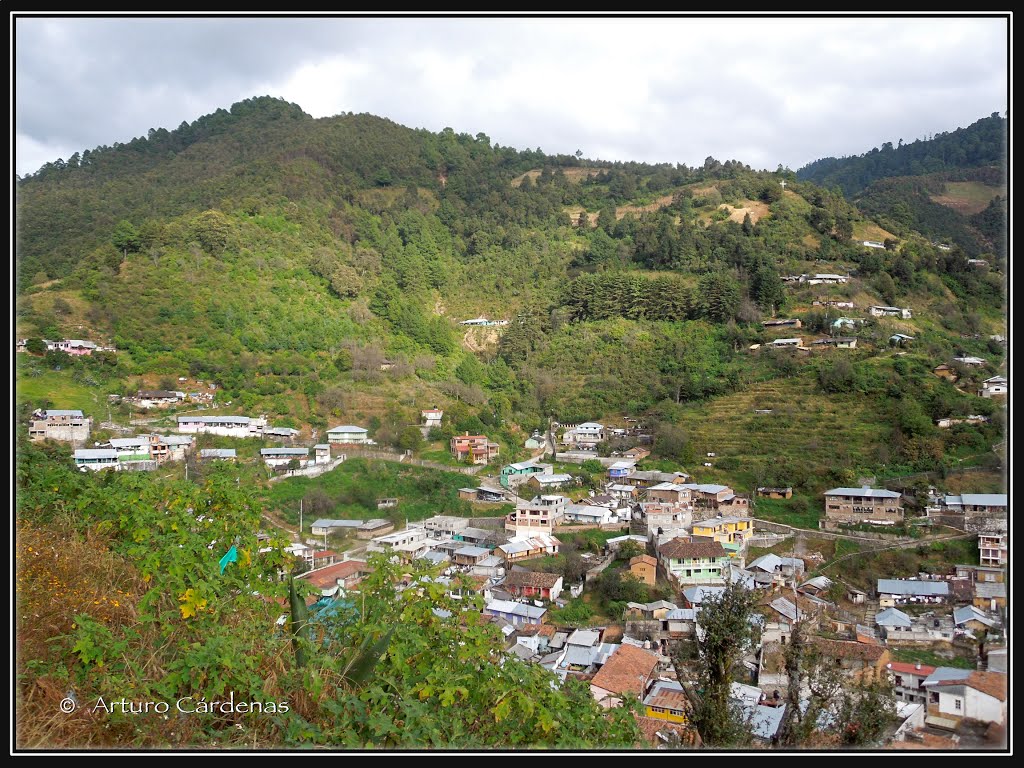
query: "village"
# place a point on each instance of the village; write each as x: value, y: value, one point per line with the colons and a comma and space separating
x: 684, y: 541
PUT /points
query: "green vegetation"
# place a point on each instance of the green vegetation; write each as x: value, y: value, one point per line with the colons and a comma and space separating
x: 933, y: 659
x: 352, y: 489
x: 798, y: 512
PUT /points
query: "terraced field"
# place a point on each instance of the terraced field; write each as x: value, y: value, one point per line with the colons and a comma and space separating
x: 805, y: 427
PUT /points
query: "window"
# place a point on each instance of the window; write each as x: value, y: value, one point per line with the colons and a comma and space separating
x: 899, y: 680
x: 957, y: 704
x: 933, y: 697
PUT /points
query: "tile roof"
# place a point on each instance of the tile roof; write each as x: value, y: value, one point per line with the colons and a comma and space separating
x: 992, y: 683
x: 908, y: 668
x: 643, y: 559
x: 667, y: 695
x: 324, y: 578
x: 626, y: 671
x: 680, y: 549
x: 650, y: 727
x: 531, y: 579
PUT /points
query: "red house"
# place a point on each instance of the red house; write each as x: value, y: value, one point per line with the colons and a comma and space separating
x: 476, y: 448
x: 533, y: 584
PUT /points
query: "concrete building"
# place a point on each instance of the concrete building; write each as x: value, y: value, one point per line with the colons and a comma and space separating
x: 69, y: 426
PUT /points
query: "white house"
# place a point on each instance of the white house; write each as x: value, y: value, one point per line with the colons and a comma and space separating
x: 794, y: 342
x: 879, y: 311
x: 585, y: 436
x: 997, y: 386
x: 954, y: 694
x: 97, y: 458
x: 873, y: 244
x: 347, y: 433
x: 228, y: 426
x: 276, y: 457
x: 432, y: 417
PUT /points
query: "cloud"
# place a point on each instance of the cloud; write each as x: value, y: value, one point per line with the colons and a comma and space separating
x: 675, y: 89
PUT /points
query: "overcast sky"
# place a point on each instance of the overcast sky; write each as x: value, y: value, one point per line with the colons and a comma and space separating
x: 764, y: 91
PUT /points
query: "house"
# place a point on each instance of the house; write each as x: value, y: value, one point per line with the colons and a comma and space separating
x: 873, y: 244
x: 444, y: 526
x: 669, y: 493
x: 431, y: 417
x: 626, y: 673
x: 212, y: 454
x: 336, y: 579
x: 861, y: 661
x: 74, y: 347
x: 96, y: 458
x: 281, y: 456
x: 972, y: 362
x: 709, y: 495
x: 585, y: 436
x: 546, y: 586
x: 775, y: 493
x: 408, y: 544
x: 645, y: 568
x: 779, y: 567
x: 997, y: 386
x: 324, y: 526
x: 844, y: 322
x: 879, y: 311
x: 815, y: 587
x: 533, y: 442
x: 955, y: 694
x: 793, y: 342
x: 227, y: 426
x: 322, y: 453
x: 986, y: 573
x: 731, y: 532
x: 476, y: 449
x: 764, y: 720
x: 470, y: 555
x: 945, y: 372
x: 908, y: 680
x: 793, y: 323
x: 690, y: 562
x: 993, y: 549
x: 647, y: 478
x: 862, y: 505
x: 373, y: 528
x: 157, y: 398
x: 695, y: 597
x: 622, y: 491
x: 545, y: 482
x: 826, y: 279
x: 69, y: 426
x: 893, y: 622
x: 902, y: 591
x: 283, y: 433
x: 636, y: 454
x: 666, y: 519
x: 667, y: 701
x: 900, y: 339
x: 621, y: 469
x: 348, y: 433
x: 587, y: 514
x: 539, y: 515
x: 613, y: 544
x: 526, y: 548
x: 988, y: 504
x: 990, y: 596
x: 515, y: 613
x: 514, y: 474
x: 839, y: 342
x: 969, y: 619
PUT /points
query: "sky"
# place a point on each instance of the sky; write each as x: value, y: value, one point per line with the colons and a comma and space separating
x: 765, y: 91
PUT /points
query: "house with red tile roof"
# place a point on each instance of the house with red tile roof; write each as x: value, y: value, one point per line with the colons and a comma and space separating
x: 626, y: 673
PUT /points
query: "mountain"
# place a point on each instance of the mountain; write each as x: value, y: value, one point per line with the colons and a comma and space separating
x: 318, y: 269
x: 951, y: 187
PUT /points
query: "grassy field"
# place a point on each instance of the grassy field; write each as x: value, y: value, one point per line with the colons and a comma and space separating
x: 816, y: 431
x: 967, y: 197
x: 351, y: 492
x: 937, y: 557
x: 62, y: 392
x: 799, y: 512
x: 868, y: 230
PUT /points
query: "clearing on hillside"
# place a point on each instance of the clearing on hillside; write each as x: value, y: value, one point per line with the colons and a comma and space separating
x: 967, y: 197
x: 755, y: 208
x: 868, y: 230
x: 572, y: 174
x: 661, y: 202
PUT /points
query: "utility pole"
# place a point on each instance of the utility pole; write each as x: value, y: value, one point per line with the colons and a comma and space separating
x: 300, y: 519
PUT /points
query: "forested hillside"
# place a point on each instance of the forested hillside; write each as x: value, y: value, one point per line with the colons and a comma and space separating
x: 317, y: 270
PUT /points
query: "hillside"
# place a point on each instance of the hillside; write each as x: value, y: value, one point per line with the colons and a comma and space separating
x: 950, y: 188
x: 316, y: 270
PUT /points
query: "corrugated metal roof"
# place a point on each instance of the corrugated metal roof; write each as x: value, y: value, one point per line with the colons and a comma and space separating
x: 214, y: 419
x: 891, y: 617
x: 472, y: 551
x: 326, y: 523
x: 985, y: 499
x: 346, y: 428
x: 218, y: 453
x: 284, y: 451
x: 912, y: 587
x: 95, y: 453
x: 872, y: 493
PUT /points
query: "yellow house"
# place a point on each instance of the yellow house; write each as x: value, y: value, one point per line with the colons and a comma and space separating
x: 731, y: 532
x: 666, y: 701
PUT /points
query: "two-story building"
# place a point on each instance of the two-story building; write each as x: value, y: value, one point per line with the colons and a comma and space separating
x: 408, y: 544
x: 226, y: 426
x: 539, y: 515
x: 69, y: 426
x: 96, y: 458
x: 512, y: 475
x: 692, y: 562
x: 527, y: 547
x: 997, y: 386
x: 348, y: 434
x: 732, y: 533
x: 280, y: 456
x: 955, y: 694
x: 585, y: 436
x: 432, y: 417
x: 670, y: 493
x: 476, y: 449
x: 861, y: 505
x: 908, y: 680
